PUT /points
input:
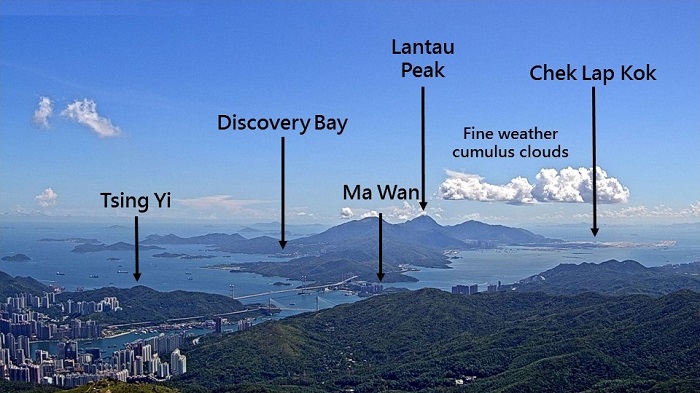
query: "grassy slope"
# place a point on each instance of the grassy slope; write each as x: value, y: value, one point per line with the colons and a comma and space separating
x: 421, y: 341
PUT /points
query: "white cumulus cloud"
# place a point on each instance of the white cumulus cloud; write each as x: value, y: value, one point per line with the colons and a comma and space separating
x: 47, y: 198
x: 473, y: 187
x: 301, y: 212
x: 551, y: 185
x: 85, y: 112
x: 43, y: 111
x: 346, y: 213
x: 576, y: 185
x: 693, y: 210
x: 406, y: 211
x: 371, y: 213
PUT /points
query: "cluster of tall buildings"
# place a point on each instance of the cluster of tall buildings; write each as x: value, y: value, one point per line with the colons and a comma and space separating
x: 243, y: 324
x: 142, y: 358
x: 474, y: 288
x: 153, y: 359
x: 107, y: 304
x: 22, y: 321
x: 366, y: 288
x: 19, y: 317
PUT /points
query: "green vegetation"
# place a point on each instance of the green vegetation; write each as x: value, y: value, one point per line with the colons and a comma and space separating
x: 424, y: 340
x: 613, y: 277
x: 25, y: 387
x: 328, y: 268
x: 108, y: 386
x: 103, y: 386
x: 352, y: 247
x: 142, y: 304
x: 10, y: 286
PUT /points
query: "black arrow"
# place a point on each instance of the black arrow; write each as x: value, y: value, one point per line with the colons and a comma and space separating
x: 282, y: 242
x: 380, y: 274
x: 137, y: 275
x: 422, y: 203
x: 595, y: 169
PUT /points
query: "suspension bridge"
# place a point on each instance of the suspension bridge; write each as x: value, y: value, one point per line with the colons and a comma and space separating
x: 339, y: 283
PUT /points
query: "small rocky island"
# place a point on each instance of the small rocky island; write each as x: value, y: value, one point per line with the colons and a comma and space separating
x: 17, y: 258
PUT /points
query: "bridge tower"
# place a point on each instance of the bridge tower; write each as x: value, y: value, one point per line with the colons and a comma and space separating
x: 230, y: 291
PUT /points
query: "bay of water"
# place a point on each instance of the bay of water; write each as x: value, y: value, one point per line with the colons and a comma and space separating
x: 167, y: 274
x: 482, y: 267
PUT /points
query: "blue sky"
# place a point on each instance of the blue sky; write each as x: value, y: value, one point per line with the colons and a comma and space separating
x: 159, y: 74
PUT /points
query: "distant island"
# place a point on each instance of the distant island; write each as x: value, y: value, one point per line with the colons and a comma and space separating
x: 120, y: 246
x: 17, y: 258
x: 76, y: 240
x: 558, y: 322
x: 352, y: 247
x: 182, y: 256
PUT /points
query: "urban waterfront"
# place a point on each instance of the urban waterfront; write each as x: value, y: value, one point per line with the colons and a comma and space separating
x: 133, y: 352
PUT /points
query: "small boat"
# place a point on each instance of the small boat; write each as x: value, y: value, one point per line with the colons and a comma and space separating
x: 189, y: 277
x: 94, y: 276
x: 122, y: 271
x: 60, y: 274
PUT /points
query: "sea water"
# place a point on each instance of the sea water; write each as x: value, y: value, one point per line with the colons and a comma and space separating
x: 488, y: 266
x: 508, y: 264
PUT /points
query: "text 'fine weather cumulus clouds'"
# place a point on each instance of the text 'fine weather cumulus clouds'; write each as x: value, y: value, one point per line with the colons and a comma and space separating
x: 566, y: 185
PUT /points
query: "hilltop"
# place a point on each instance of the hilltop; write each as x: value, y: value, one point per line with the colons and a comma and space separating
x: 613, y: 277
x: 142, y: 304
x: 422, y: 232
x: 352, y: 247
x: 427, y: 339
x: 10, y: 286
x: 139, y: 303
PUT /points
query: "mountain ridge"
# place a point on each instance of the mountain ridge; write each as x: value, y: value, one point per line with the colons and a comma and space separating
x: 506, y: 341
x: 613, y: 277
x: 353, y: 245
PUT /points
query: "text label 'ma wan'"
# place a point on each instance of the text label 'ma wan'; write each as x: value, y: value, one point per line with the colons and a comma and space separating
x: 387, y: 191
